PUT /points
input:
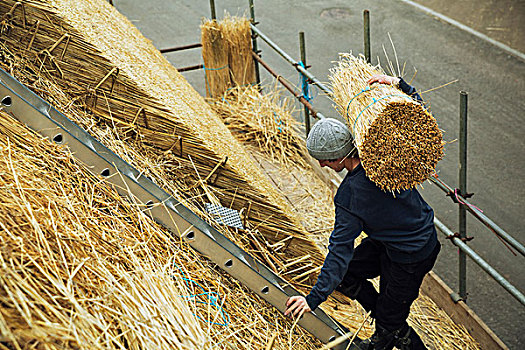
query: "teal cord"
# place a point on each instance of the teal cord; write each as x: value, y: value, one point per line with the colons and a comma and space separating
x: 373, y: 99
x: 213, y: 299
x: 206, y: 76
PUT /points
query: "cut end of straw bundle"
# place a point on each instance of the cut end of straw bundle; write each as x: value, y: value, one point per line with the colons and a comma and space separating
x: 401, y: 147
x: 399, y: 141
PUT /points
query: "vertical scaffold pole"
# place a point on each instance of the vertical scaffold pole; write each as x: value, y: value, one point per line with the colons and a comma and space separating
x: 366, y: 21
x: 254, y: 45
x: 305, y: 82
x: 212, y: 9
x: 463, y: 105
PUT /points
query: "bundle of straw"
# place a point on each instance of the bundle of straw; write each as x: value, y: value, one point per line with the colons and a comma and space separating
x: 68, y: 43
x: 215, y: 53
x: 237, y: 32
x: 399, y: 141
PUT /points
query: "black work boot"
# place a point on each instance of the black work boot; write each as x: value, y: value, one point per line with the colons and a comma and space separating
x: 407, y: 339
x: 382, y: 339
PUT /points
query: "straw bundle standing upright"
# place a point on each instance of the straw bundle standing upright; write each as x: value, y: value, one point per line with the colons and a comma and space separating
x: 227, y: 54
x: 215, y: 56
x: 237, y: 32
x: 399, y: 141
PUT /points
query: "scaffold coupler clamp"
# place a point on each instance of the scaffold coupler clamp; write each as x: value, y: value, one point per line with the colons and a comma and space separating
x: 463, y: 239
x: 453, y: 194
x: 456, y: 298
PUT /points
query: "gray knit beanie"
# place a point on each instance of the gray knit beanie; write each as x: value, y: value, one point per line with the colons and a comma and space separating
x: 329, y: 139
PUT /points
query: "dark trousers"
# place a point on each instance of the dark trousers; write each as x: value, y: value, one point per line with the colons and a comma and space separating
x: 398, y: 284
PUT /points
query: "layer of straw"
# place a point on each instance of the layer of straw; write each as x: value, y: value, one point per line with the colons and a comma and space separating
x: 104, y: 65
x: 82, y: 268
x: 263, y: 119
x: 399, y: 141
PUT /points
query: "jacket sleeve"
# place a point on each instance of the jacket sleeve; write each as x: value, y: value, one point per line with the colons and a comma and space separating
x: 340, y: 251
x: 410, y: 91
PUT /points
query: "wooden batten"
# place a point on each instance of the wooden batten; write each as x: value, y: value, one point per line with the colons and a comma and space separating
x: 434, y: 287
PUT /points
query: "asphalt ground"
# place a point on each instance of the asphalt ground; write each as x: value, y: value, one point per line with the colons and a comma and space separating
x: 433, y: 53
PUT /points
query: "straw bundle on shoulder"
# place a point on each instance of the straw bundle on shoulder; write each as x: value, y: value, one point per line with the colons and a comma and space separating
x: 215, y: 52
x: 237, y: 32
x: 399, y: 141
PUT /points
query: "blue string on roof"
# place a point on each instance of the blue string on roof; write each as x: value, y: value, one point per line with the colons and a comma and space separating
x: 278, y: 121
x: 211, y: 298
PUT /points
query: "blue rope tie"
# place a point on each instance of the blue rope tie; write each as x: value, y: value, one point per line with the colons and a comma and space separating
x: 213, y: 299
x: 278, y: 121
x: 368, y: 88
x: 374, y: 101
x: 206, y: 76
x: 305, y: 87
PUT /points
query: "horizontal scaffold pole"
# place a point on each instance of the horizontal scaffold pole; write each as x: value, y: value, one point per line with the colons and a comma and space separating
x: 482, y: 263
x: 479, y: 215
x: 296, y: 64
x: 288, y: 87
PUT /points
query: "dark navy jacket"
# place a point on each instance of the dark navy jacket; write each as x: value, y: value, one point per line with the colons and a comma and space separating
x: 404, y: 223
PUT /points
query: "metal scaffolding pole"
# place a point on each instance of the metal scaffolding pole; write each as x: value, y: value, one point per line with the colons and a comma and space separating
x: 288, y: 87
x: 366, y: 23
x: 254, y: 44
x: 463, y: 190
x: 479, y: 215
x: 304, y: 87
x: 296, y: 64
x: 212, y: 9
x: 482, y: 263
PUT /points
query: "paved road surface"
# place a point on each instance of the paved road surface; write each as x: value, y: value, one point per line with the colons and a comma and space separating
x: 440, y: 53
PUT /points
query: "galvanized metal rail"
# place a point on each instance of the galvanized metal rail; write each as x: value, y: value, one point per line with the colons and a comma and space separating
x: 481, y: 263
x: 37, y: 114
x: 288, y: 58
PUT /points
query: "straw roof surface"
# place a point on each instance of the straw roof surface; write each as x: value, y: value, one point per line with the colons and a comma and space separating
x: 399, y: 141
x: 265, y: 120
x: 102, y: 62
x: 80, y: 268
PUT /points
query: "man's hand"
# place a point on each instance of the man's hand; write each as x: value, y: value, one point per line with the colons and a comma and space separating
x: 383, y: 79
x: 297, y: 306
